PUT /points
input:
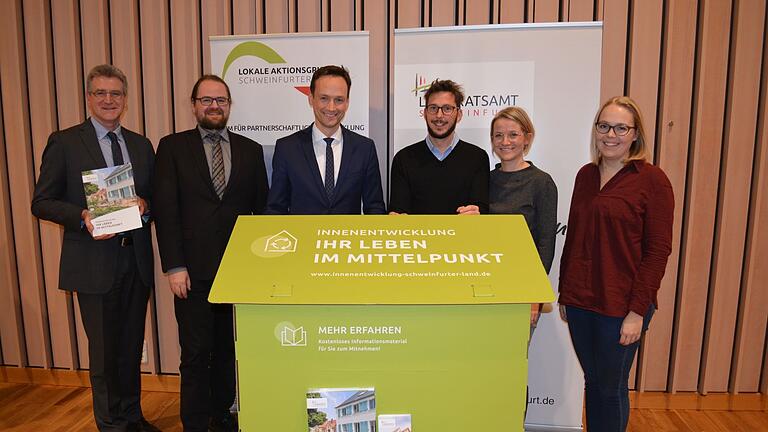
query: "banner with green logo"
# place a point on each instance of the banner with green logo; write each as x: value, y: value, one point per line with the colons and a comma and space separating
x: 270, y: 75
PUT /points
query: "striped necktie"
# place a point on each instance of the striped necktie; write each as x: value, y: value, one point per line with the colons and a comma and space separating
x: 217, y: 168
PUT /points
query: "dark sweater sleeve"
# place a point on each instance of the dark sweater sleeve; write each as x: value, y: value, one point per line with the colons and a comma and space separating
x: 399, y: 191
x: 545, y: 202
x: 480, y: 183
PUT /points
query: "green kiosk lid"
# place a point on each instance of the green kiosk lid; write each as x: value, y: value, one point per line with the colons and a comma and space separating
x: 397, y: 260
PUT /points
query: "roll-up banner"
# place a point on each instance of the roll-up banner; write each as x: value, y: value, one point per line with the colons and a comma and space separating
x: 553, y: 71
x: 269, y: 78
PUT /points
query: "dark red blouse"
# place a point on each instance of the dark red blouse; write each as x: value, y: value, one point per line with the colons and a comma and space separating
x: 618, y: 240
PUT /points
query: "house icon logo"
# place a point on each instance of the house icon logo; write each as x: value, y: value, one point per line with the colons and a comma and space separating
x: 281, y: 242
x: 290, y: 337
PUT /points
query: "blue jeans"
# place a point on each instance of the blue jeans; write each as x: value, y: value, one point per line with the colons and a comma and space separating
x: 606, y: 365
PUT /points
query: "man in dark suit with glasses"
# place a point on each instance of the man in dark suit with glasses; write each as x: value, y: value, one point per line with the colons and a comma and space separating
x: 204, y: 179
x: 112, y: 274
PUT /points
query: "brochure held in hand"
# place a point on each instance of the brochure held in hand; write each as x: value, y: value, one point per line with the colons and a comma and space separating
x: 111, y: 197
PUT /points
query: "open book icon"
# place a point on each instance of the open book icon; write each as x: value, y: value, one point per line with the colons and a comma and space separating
x: 291, y: 337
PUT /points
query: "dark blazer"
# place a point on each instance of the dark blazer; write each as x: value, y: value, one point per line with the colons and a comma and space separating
x: 297, y: 187
x: 88, y: 265
x: 193, y: 225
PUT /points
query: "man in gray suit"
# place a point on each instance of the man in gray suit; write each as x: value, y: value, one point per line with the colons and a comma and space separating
x: 112, y: 274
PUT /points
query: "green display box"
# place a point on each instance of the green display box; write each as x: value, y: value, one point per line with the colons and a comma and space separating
x: 430, y: 311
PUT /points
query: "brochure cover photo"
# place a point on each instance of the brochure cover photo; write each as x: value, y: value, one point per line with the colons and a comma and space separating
x: 395, y: 423
x: 110, y: 194
x: 341, y: 410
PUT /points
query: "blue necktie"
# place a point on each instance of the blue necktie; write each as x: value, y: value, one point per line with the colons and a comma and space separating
x: 329, y: 180
x: 117, y: 153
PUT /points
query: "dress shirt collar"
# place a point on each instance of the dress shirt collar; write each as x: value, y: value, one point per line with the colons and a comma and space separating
x: 435, y: 151
x: 317, y: 136
x: 101, y: 131
x: 222, y: 132
x: 637, y: 165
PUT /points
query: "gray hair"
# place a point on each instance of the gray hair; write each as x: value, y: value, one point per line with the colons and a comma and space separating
x: 107, y: 71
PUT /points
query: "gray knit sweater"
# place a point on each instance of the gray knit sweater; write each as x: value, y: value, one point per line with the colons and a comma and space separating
x: 532, y: 193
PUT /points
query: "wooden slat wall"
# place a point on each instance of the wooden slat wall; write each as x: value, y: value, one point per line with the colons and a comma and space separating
x: 735, y: 185
x: 581, y: 10
x: 615, y: 34
x: 20, y: 172
x: 674, y: 127
x: 158, y: 119
x: 70, y: 109
x: 697, y: 68
x: 44, y: 118
x: 707, y: 118
x: 12, y: 344
x: 476, y: 12
x: 752, y: 314
x: 309, y: 17
x: 408, y: 15
x: 511, y: 11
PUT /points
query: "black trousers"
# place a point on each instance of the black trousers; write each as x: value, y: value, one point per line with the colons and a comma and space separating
x: 114, y: 324
x: 206, y: 336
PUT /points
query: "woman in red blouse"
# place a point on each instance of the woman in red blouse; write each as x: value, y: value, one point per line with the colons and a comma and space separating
x: 617, y: 243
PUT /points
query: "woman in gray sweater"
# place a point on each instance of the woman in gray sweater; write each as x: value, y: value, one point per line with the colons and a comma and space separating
x: 518, y: 187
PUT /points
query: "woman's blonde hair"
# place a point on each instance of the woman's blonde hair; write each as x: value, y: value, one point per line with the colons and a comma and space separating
x: 638, y: 150
x: 519, y: 116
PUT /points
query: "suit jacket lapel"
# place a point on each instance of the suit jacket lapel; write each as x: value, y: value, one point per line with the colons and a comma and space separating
x: 91, y: 143
x: 195, y: 144
x: 347, y: 159
x: 313, y: 169
x: 137, y: 163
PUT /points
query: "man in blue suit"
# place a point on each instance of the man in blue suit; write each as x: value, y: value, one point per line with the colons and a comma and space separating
x: 326, y: 168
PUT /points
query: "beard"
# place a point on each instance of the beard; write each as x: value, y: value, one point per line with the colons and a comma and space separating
x: 208, y: 123
x: 445, y: 134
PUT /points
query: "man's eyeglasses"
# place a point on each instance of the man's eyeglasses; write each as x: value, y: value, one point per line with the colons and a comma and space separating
x: 207, y: 101
x: 619, y: 129
x: 446, y: 109
x: 102, y: 94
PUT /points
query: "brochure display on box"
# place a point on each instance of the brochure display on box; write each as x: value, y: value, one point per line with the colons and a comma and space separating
x: 341, y: 409
x: 395, y: 423
x: 111, y: 197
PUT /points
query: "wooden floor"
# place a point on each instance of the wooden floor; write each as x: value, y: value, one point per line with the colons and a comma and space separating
x: 44, y: 408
